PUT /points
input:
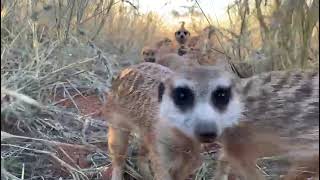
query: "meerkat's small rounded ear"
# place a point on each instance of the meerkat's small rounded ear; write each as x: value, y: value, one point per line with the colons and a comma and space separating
x: 161, y: 89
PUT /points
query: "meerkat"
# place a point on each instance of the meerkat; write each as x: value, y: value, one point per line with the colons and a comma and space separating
x: 182, y: 36
x: 165, y: 46
x: 172, y: 112
x: 164, y: 42
x: 281, y: 117
x: 167, y: 130
x: 199, y: 47
x: 156, y: 51
x: 166, y: 58
x: 202, y: 41
x: 149, y: 54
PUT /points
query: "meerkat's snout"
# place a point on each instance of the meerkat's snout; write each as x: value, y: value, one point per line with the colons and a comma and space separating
x: 206, y: 132
x: 200, y: 102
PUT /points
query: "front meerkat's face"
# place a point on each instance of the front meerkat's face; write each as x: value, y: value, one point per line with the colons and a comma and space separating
x: 200, y: 102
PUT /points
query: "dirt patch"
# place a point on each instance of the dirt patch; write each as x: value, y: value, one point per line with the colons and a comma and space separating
x: 88, y: 105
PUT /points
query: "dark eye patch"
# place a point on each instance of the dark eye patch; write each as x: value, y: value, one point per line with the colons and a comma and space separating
x: 183, y: 97
x: 161, y: 89
x: 221, y: 97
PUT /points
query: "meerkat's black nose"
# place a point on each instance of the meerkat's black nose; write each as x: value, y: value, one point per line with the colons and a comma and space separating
x: 181, y: 36
x: 206, y: 132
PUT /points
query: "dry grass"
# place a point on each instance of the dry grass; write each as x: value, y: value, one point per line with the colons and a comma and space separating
x: 55, y: 51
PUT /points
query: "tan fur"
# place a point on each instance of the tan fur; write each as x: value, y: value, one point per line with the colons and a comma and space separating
x: 175, y: 62
x: 133, y: 106
x: 200, y: 47
x: 307, y: 167
x: 164, y: 42
x: 149, y: 54
x: 165, y: 46
x: 282, y: 109
x: 282, y: 117
x: 193, y: 42
x: 203, y: 40
x: 157, y: 50
x: 129, y: 108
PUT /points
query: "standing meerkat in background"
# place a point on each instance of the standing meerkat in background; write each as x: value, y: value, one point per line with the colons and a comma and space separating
x: 172, y: 112
x: 182, y: 36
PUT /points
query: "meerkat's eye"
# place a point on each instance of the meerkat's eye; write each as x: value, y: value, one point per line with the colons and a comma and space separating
x: 221, y: 97
x: 183, y: 97
x: 185, y: 32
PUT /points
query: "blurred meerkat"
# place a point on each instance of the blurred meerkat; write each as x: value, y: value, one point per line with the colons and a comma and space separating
x: 172, y: 112
x: 203, y: 40
x: 200, y: 47
x: 164, y: 42
x: 175, y: 62
x: 182, y: 35
x: 165, y: 46
x: 282, y: 117
x: 159, y: 49
x: 149, y: 54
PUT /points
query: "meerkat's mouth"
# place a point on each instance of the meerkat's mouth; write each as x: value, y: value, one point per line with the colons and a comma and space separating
x: 150, y: 60
x: 207, y: 139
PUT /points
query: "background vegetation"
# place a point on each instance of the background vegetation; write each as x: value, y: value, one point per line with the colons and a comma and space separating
x: 58, y: 58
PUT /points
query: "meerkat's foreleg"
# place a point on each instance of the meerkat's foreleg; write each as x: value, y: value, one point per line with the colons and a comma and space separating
x: 118, y: 144
x: 143, y: 160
